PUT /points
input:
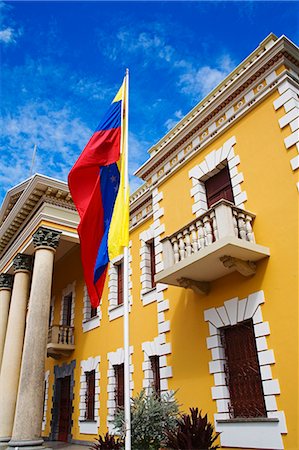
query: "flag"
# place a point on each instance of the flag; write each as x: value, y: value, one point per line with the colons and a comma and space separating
x: 99, y: 188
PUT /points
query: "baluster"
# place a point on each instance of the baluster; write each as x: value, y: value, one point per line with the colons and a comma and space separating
x: 241, y: 224
x: 175, y: 247
x: 201, y: 234
x: 208, y: 230
x: 248, y: 228
x: 187, y: 242
x: 194, y: 238
x: 214, y: 226
x: 235, y: 222
x: 181, y: 246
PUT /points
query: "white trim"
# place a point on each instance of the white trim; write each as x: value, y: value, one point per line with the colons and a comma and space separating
x: 114, y: 310
x: 52, y: 310
x: 154, y: 348
x: 148, y: 293
x: 238, y: 434
x: 115, y: 359
x: 88, y: 322
x: 288, y: 99
x: 87, y: 426
x: 212, y: 164
x: 44, y: 422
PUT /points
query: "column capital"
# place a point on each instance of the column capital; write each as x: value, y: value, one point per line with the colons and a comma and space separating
x: 22, y: 262
x: 45, y: 237
x: 6, y: 280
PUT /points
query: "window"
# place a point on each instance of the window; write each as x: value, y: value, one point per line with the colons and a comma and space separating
x: 93, y: 312
x: 120, y: 282
x: 119, y: 393
x: 219, y: 187
x: 90, y: 395
x: 67, y: 310
x: 243, y: 371
x: 151, y: 248
x: 155, y: 366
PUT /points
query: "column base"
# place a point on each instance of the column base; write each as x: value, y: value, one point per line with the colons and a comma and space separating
x: 4, y: 441
x: 35, y: 444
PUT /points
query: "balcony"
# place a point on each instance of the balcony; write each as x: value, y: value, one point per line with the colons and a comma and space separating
x: 60, y: 341
x: 211, y: 246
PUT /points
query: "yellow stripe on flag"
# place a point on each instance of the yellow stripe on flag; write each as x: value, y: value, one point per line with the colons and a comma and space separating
x: 118, y: 237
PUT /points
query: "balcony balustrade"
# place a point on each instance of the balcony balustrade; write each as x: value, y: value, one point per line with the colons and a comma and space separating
x: 216, y: 243
x: 60, y: 341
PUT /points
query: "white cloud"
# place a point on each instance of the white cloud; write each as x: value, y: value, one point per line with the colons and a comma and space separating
x: 199, y: 82
x: 59, y: 136
x: 171, y: 122
x: 7, y: 36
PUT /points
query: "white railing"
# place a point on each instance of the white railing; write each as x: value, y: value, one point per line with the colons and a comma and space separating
x: 222, y: 220
x: 61, y: 334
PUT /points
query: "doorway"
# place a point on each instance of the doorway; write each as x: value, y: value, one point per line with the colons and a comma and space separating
x: 64, y: 409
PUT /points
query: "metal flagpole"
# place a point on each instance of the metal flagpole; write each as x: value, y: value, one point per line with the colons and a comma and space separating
x: 33, y: 159
x: 126, y: 288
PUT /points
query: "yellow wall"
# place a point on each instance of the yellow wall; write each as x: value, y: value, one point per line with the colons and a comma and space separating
x: 271, y: 190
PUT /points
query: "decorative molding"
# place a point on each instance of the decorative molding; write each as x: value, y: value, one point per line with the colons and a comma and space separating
x: 212, y: 164
x: 154, y: 348
x: 114, y: 310
x: 44, y: 237
x: 22, y: 262
x: 232, y: 312
x: 116, y: 359
x: 243, y: 88
x: 148, y: 293
x: 6, y: 281
x: 289, y: 100
x: 88, y: 322
x: 70, y: 289
x: 46, y: 396
x: 85, y: 426
x: 245, y: 268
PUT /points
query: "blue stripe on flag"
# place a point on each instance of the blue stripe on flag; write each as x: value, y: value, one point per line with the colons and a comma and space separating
x: 112, y: 118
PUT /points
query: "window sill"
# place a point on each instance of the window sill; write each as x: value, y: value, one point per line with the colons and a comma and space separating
x: 248, y: 420
x: 91, y: 318
x: 149, y: 296
x: 87, y: 421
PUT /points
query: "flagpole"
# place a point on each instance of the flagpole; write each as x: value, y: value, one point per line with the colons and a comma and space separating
x: 126, y: 288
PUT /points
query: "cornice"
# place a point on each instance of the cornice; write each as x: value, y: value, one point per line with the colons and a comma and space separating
x: 262, y: 61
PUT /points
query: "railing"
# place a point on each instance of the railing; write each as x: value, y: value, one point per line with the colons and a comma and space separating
x: 61, y: 334
x: 222, y: 220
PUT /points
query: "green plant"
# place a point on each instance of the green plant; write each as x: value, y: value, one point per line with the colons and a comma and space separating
x: 151, y: 417
x: 193, y: 432
x: 108, y: 442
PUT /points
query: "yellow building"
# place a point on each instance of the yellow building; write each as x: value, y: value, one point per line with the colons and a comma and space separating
x: 213, y: 278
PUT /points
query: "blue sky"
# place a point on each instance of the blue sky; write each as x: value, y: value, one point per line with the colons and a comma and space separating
x: 62, y: 63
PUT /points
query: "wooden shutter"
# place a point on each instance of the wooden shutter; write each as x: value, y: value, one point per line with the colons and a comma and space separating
x: 219, y: 187
x: 153, y: 262
x: 120, y: 277
x: 90, y: 394
x: 243, y: 371
x: 120, y: 386
x: 155, y: 365
x: 67, y: 310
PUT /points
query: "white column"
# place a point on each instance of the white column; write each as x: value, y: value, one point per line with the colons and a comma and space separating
x: 5, y: 293
x: 12, y: 354
x: 29, y: 410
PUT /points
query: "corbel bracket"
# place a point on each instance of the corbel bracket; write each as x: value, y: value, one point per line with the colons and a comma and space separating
x: 245, y: 268
x: 199, y: 287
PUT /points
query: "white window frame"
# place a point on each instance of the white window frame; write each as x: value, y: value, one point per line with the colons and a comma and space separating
x: 155, y: 348
x: 88, y: 322
x: 89, y: 426
x: 44, y: 422
x: 116, y: 359
x: 253, y: 433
